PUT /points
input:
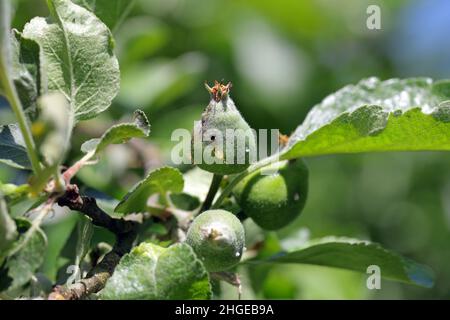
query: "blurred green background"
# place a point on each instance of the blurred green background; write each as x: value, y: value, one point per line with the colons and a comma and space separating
x: 283, y: 57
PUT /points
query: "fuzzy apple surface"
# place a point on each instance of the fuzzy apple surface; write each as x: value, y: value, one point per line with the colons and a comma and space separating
x: 223, y: 142
x: 274, y: 200
x: 217, y: 238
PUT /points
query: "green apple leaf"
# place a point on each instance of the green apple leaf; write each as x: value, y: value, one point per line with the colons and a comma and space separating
x: 12, y: 147
x: 26, y: 255
x: 160, y: 181
x: 152, y: 272
x: 373, y: 116
x: 76, y: 57
x: 119, y: 133
x: 356, y: 255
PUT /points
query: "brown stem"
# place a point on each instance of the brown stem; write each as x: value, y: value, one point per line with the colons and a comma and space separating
x: 125, y: 231
x: 89, y: 207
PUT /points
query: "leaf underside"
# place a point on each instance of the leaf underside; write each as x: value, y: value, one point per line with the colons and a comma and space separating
x: 120, y: 133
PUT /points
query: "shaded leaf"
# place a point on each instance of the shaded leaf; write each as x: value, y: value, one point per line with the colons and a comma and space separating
x: 9, y: 90
x: 27, y: 254
x: 356, y: 255
x: 85, y: 230
x: 59, y: 235
x: 25, y: 69
x: 77, y: 57
x: 259, y: 272
x: 8, y: 230
x: 111, y: 12
x: 153, y: 272
x: 120, y: 133
x: 185, y: 201
x: 374, y: 115
x: 159, y: 181
x: 12, y: 147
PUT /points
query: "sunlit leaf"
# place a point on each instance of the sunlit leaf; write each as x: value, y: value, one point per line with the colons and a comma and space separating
x: 77, y: 57
x: 151, y: 272
x: 373, y: 116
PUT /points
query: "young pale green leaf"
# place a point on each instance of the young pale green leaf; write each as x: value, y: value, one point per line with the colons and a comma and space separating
x: 159, y: 181
x: 120, y: 133
x: 356, y: 255
x: 26, y: 255
x: 151, y: 272
x: 372, y: 116
x: 77, y: 57
x: 54, y: 126
x: 111, y: 12
x: 12, y: 147
x: 12, y: 190
x: 8, y: 230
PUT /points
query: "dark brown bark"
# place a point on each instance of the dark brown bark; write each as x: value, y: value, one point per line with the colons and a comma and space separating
x: 124, y: 230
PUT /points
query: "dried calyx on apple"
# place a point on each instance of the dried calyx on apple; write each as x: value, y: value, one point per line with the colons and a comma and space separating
x: 223, y: 143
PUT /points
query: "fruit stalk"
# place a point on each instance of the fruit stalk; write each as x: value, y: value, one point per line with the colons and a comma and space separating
x: 213, y: 188
x: 229, y: 188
